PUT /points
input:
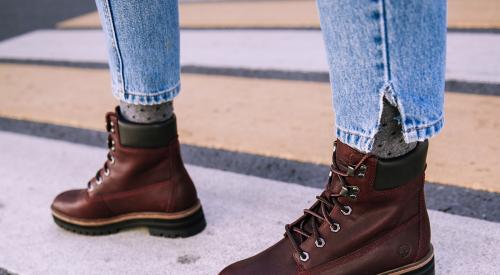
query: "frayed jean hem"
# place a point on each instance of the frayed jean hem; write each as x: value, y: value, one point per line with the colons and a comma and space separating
x: 357, y: 141
x: 423, y: 132
x: 411, y: 134
x: 147, y: 98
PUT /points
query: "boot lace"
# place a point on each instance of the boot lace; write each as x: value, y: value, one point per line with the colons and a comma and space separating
x: 110, y: 158
x: 320, y: 211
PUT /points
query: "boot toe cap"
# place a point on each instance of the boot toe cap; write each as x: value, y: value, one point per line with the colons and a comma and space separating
x: 66, y: 202
x: 77, y: 204
x: 276, y: 260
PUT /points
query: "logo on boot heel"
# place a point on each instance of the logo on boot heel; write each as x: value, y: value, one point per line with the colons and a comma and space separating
x: 404, y: 250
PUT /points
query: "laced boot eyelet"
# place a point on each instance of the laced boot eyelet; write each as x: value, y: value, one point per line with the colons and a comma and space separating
x: 110, y: 127
x: 335, y: 227
x: 90, y: 188
x: 353, y: 192
x: 107, y: 172
x: 362, y: 171
x: 112, y: 160
x: 304, y: 256
x: 320, y: 242
x: 346, y: 211
x: 98, y: 180
x: 350, y: 191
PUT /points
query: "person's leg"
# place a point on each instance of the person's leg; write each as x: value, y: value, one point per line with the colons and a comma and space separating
x: 387, y: 71
x: 385, y: 49
x: 143, y: 48
x: 143, y: 181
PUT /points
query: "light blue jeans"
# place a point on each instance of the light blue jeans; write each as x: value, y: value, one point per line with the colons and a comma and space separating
x: 376, y: 48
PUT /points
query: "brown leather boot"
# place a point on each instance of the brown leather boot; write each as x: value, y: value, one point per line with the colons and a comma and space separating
x: 370, y: 219
x: 143, y: 183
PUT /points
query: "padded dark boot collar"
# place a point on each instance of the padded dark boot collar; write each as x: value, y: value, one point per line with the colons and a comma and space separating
x: 392, y: 173
x: 146, y: 135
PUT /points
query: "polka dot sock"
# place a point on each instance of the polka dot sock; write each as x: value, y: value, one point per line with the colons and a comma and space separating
x: 389, y: 141
x: 146, y: 114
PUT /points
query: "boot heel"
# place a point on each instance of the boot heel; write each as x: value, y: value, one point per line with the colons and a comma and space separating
x: 183, y: 228
x: 427, y: 269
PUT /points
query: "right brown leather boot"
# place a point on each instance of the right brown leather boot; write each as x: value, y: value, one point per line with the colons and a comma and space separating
x: 143, y: 184
x: 370, y: 219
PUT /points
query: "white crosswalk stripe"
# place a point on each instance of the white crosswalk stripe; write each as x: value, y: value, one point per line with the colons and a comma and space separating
x: 245, y: 214
x: 472, y: 57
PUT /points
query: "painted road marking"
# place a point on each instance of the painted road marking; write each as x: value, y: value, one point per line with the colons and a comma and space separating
x: 304, y: 134
x: 257, y: 203
x: 472, y: 57
x: 479, y: 14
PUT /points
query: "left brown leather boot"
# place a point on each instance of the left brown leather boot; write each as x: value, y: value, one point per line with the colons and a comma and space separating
x: 370, y: 219
x: 143, y: 183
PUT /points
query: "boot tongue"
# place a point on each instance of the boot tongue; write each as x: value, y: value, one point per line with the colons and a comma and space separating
x: 346, y: 155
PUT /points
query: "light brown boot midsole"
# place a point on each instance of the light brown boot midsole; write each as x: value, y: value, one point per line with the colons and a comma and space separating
x: 127, y: 217
x: 411, y: 267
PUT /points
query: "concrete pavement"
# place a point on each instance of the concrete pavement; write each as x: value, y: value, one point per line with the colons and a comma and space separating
x: 35, y: 245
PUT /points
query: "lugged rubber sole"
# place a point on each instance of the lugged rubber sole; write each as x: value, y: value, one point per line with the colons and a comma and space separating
x: 423, y: 267
x: 183, y: 227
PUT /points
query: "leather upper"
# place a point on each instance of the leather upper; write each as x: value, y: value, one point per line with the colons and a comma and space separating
x: 386, y: 229
x: 140, y: 179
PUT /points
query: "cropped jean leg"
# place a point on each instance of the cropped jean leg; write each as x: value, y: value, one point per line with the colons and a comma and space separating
x: 393, y: 49
x: 142, y: 38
